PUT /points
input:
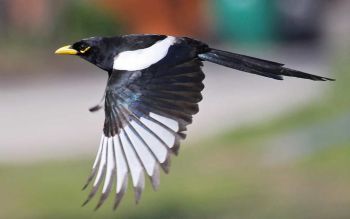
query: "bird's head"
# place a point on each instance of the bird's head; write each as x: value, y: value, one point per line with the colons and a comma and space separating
x: 97, y: 50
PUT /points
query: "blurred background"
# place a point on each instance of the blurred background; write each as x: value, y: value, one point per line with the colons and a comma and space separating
x: 259, y: 148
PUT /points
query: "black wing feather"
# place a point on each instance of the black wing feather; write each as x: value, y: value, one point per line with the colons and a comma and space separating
x: 170, y: 88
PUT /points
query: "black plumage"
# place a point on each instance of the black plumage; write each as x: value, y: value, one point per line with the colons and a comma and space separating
x: 153, y: 90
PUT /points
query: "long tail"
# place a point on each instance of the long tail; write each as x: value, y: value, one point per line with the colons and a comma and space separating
x: 256, y: 66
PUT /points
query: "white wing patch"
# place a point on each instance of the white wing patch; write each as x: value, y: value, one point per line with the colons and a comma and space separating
x: 170, y: 123
x: 110, y: 165
x: 98, y: 157
x: 139, y: 147
x: 167, y: 137
x: 102, y: 163
x: 122, y: 167
x: 156, y: 146
x: 143, y: 58
x: 149, y: 162
x: 134, y: 164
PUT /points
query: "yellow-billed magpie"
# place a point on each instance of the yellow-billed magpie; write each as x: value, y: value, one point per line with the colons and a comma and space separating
x: 153, y: 89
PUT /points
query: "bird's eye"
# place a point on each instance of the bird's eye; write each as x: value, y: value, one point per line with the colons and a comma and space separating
x: 83, y: 49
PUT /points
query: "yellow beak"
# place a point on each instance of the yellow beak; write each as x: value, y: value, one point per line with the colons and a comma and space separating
x: 66, y: 50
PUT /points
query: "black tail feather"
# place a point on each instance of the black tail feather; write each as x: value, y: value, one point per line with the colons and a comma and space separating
x: 256, y: 66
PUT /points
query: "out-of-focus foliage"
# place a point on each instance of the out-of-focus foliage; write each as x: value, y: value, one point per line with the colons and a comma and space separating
x: 238, y: 174
x: 83, y: 19
x: 74, y: 20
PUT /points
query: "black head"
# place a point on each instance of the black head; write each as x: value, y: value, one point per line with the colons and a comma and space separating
x: 100, y: 51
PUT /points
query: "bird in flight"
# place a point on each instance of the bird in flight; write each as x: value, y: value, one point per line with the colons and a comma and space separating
x: 153, y: 90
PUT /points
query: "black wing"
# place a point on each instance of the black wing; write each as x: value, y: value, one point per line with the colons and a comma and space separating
x: 146, y: 112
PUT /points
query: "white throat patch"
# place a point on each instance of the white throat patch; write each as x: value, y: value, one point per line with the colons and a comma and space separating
x: 143, y: 58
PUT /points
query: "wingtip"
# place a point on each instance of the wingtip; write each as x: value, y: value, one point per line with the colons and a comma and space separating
x: 119, y: 196
x: 85, y: 202
x: 138, y: 192
x: 155, y: 178
x: 90, y: 178
x: 85, y: 186
x: 98, y: 206
x: 166, y: 163
x: 117, y: 201
x: 182, y: 135
x: 176, y: 147
x: 103, y: 198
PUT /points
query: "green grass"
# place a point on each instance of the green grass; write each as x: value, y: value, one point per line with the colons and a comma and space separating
x: 223, y: 177
x: 207, y: 181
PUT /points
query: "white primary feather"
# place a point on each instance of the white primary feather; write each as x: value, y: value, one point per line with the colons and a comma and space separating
x: 122, y: 168
x: 133, y: 162
x: 170, y: 123
x: 98, y: 156
x: 164, y: 134
x: 110, y: 164
x: 156, y: 146
x: 102, y: 162
x: 146, y: 157
x: 143, y: 58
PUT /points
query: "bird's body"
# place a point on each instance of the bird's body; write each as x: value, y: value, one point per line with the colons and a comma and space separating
x: 153, y: 90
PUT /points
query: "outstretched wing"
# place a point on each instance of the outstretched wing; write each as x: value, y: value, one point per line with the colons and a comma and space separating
x: 146, y: 112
